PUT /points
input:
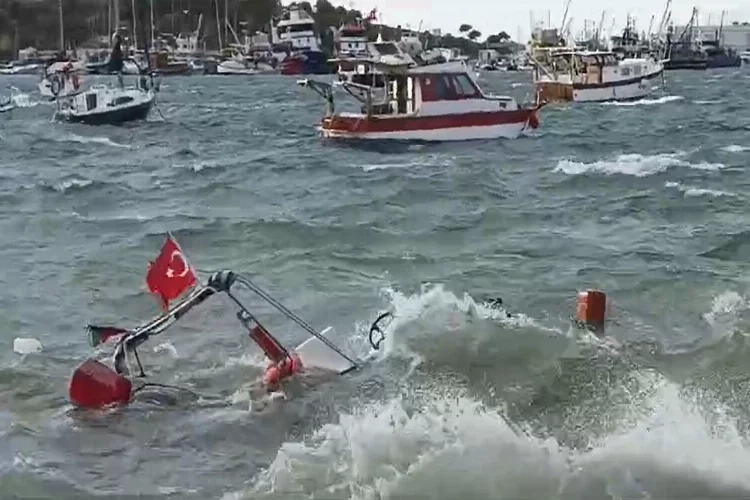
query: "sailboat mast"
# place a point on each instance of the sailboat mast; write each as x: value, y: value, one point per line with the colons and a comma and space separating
x: 218, y: 23
x: 135, y: 27
x: 117, y: 17
x: 152, y: 22
x: 226, y: 20
x: 62, y: 30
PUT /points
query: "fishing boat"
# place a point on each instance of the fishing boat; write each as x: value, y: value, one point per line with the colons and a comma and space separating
x: 404, y: 99
x: 297, y: 31
x: 350, y: 40
x: 573, y: 75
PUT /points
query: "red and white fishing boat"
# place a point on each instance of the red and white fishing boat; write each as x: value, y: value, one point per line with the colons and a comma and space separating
x: 407, y: 97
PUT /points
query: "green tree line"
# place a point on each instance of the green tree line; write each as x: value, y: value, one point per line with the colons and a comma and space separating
x: 35, y: 23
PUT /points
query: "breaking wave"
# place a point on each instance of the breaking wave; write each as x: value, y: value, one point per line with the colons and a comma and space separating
x: 634, y: 164
x: 648, y: 437
x: 696, y: 191
x: 646, y: 102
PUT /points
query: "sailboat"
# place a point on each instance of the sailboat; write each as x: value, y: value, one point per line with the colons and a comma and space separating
x: 112, y: 105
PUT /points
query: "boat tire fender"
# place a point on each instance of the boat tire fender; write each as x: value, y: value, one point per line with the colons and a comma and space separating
x: 55, y: 85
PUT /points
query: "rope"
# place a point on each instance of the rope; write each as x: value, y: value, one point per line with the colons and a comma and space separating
x: 165, y: 386
x: 284, y: 310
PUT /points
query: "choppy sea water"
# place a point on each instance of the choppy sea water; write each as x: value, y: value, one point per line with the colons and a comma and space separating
x: 646, y: 201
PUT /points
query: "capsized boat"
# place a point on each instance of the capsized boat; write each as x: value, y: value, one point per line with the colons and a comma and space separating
x: 96, y: 385
x: 410, y: 98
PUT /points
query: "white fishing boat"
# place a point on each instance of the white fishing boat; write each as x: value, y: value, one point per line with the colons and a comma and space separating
x: 570, y: 75
x: 242, y: 65
x: 350, y: 40
x: 406, y: 100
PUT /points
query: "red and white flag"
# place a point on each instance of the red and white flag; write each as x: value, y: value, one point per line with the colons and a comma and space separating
x: 170, y: 275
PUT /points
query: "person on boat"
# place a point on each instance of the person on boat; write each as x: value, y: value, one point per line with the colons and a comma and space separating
x: 115, y: 63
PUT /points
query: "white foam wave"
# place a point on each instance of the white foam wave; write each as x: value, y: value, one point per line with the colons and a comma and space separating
x: 634, y: 164
x: 64, y: 186
x: 646, y: 102
x: 82, y: 139
x: 434, y: 310
x: 735, y: 148
x: 691, y: 191
x: 456, y: 448
x: 725, y: 310
x: 23, y: 100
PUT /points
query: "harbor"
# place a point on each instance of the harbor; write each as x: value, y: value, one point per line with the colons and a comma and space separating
x: 528, y: 253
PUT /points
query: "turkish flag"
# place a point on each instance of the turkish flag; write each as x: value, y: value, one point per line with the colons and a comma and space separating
x: 170, y: 274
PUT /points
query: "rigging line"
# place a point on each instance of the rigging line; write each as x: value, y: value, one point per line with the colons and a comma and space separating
x: 264, y: 295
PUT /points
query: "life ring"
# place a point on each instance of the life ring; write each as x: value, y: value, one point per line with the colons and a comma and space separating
x: 55, y: 84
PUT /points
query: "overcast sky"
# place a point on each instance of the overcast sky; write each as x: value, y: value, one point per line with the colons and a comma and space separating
x: 492, y: 16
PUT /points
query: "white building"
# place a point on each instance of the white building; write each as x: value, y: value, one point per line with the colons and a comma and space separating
x: 732, y: 36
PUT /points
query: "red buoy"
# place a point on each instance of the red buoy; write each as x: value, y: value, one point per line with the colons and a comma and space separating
x: 591, y: 309
x: 95, y: 385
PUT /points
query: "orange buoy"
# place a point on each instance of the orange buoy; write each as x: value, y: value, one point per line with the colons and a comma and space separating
x: 591, y: 307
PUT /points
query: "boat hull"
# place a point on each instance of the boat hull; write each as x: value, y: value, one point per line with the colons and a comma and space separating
x: 115, y: 117
x: 443, y: 128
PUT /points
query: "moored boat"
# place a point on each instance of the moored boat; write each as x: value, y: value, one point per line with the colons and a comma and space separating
x: 404, y: 100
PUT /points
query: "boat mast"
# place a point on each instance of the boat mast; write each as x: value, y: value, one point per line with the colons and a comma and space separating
x: 62, y: 30
x: 135, y: 28
x: 226, y: 21
x: 109, y: 18
x: 152, y: 23
x: 117, y: 17
x: 218, y: 23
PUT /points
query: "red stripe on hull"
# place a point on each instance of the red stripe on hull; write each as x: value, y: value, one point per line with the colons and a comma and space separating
x: 376, y: 124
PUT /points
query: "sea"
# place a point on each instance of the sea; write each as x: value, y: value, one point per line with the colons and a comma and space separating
x: 646, y: 201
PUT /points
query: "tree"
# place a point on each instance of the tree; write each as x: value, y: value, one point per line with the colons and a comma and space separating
x: 465, y: 28
x: 474, y: 34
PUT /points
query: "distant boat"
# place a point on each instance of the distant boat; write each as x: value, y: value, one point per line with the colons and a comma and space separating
x: 297, y: 31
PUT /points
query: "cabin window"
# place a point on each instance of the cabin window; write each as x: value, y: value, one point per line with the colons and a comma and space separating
x: 444, y: 87
x: 625, y: 71
x: 90, y: 101
x: 428, y: 87
x: 121, y: 100
x: 465, y: 86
